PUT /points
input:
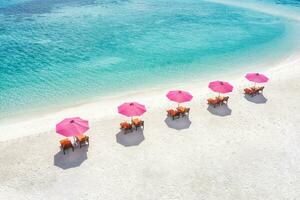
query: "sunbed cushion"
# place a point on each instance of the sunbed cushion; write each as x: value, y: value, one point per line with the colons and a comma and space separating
x: 125, y: 125
x: 136, y: 121
x: 172, y: 112
x: 65, y: 142
x: 81, y: 137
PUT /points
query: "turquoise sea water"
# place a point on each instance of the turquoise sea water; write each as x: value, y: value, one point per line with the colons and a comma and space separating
x: 55, y: 53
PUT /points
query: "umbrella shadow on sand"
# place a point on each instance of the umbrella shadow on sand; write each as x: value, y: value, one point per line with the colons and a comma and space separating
x: 71, y: 159
x: 258, y: 99
x: 130, y: 139
x: 178, y: 124
x: 222, y: 110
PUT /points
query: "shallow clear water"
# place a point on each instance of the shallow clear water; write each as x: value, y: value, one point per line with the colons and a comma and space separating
x: 56, y: 52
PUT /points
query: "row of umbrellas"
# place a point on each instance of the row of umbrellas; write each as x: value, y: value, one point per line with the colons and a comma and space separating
x: 77, y: 126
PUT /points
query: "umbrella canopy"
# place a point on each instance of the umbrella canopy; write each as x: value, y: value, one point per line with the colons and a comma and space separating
x: 257, y: 77
x: 179, y: 96
x: 72, y: 127
x: 131, y: 109
x: 220, y: 86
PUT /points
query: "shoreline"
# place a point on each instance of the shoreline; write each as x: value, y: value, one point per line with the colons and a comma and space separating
x: 105, y: 107
x: 262, y: 58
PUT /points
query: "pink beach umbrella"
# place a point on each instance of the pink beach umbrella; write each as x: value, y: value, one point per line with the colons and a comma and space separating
x: 179, y: 96
x: 220, y: 86
x: 72, y: 127
x: 131, y: 109
x: 256, y: 78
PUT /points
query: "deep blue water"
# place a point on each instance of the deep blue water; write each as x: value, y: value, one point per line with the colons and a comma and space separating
x: 56, y: 53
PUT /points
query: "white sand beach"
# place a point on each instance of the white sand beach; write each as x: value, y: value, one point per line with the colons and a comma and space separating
x: 248, y: 150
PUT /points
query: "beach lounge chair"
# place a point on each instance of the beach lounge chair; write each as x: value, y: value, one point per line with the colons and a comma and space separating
x: 126, y: 127
x: 254, y: 90
x: 183, y: 110
x: 186, y: 111
x: 82, y: 139
x: 173, y: 113
x: 137, y: 123
x: 249, y: 91
x: 214, y: 102
x: 259, y: 89
x: 66, y: 144
x: 224, y: 100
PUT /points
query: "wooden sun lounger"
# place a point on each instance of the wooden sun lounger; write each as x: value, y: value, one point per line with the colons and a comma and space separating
x: 218, y: 101
x: 173, y: 113
x: 66, y: 144
x: 259, y: 89
x: 83, y: 139
x: 126, y: 127
x: 254, y: 91
x: 249, y: 91
x: 137, y: 123
x: 214, y: 102
x: 183, y: 111
x: 224, y: 100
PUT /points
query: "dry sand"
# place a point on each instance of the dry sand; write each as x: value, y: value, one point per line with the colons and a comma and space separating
x: 248, y: 150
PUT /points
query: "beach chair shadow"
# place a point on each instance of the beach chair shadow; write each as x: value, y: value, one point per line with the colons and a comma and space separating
x: 71, y: 159
x: 222, y: 110
x: 178, y: 124
x: 258, y: 99
x: 130, y: 139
